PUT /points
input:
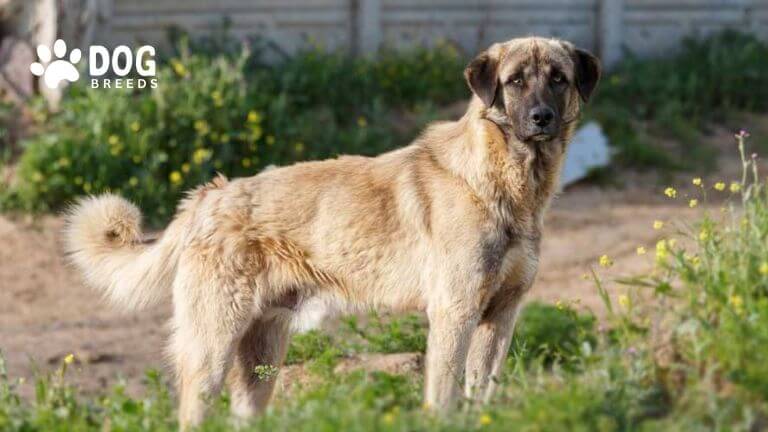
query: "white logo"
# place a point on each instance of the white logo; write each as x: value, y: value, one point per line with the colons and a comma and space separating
x: 58, y: 70
x: 121, y: 61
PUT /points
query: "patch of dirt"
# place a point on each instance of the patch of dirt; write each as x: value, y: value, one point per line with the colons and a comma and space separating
x: 46, y: 312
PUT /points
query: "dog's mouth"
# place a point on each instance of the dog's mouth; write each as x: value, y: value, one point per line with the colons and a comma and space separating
x: 540, y: 137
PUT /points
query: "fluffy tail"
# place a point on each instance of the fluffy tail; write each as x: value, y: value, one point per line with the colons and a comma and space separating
x: 104, y: 241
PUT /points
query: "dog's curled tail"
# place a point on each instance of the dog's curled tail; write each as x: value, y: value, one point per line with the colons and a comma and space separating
x: 103, y: 239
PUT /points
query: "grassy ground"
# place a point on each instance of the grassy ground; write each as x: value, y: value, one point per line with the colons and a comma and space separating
x: 683, y: 348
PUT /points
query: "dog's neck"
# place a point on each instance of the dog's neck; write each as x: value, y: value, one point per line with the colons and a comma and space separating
x: 515, y: 180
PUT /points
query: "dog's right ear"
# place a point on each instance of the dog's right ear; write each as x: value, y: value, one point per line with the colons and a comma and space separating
x: 482, y: 77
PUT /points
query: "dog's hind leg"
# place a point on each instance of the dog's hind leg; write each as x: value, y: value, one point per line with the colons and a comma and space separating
x: 259, y: 355
x: 210, y: 315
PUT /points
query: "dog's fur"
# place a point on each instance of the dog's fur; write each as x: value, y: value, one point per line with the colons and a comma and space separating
x: 450, y: 225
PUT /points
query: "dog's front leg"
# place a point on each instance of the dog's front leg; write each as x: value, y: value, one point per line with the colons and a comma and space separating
x: 490, y: 344
x: 450, y: 331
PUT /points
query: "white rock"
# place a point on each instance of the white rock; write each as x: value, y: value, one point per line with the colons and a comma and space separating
x: 588, y: 150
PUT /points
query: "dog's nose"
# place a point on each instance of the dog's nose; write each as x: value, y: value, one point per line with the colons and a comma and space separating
x: 541, y: 115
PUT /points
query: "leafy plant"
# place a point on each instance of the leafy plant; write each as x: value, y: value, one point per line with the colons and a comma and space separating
x: 553, y: 333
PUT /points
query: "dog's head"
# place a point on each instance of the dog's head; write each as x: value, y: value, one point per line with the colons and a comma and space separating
x: 531, y: 86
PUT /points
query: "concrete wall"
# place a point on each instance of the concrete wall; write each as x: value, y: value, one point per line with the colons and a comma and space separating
x: 656, y: 26
x: 647, y: 27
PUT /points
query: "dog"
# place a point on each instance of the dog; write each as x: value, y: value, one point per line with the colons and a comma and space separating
x: 449, y: 225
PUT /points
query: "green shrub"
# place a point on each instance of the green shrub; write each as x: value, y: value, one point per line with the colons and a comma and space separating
x: 223, y: 114
x: 311, y: 345
x: 676, y: 96
x: 552, y: 333
x: 705, y: 334
x: 394, y: 334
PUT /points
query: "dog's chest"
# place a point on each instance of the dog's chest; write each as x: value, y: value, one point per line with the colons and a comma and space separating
x: 507, y: 255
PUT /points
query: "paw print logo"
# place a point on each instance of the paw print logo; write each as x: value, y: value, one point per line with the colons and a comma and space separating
x: 58, y: 70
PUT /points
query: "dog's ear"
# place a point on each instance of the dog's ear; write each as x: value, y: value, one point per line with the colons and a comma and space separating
x: 482, y: 77
x: 587, y: 72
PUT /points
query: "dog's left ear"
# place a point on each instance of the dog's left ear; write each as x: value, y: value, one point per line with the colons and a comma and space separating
x: 587, y: 72
x: 482, y: 77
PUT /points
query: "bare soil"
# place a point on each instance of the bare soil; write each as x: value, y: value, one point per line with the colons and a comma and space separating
x: 46, y: 312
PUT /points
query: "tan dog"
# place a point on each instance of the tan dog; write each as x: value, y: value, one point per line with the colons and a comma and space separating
x: 450, y: 225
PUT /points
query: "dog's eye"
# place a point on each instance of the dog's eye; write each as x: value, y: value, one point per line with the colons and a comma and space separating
x: 515, y: 80
x: 557, y: 77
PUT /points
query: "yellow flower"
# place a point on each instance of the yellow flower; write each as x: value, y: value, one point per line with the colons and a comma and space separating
x: 624, y: 301
x: 201, y: 155
x: 254, y: 117
x: 763, y: 268
x: 559, y: 304
x: 113, y: 140
x: 179, y: 68
x: 69, y: 359
x: 670, y: 192
x: 695, y: 260
x: 704, y: 234
x: 201, y: 126
x: 135, y: 126
x: 735, y: 187
x: 175, y: 177
x: 641, y: 250
x: 485, y: 420
x: 224, y: 138
x: 661, y: 250
x: 246, y: 162
x: 693, y: 203
x: 217, y: 99
x: 737, y: 303
x: 256, y: 131
x: 720, y: 186
x: 63, y: 162
x: 696, y: 181
x: 605, y: 261
x: 657, y: 224
x: 362, y: 122
x: 736, y: 300
x: 388, y: 418
x: 299, y: 147
x: 185, y: 168
x: 37, y: 177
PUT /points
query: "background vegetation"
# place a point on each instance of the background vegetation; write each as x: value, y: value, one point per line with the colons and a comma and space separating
x: 221, y: 107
